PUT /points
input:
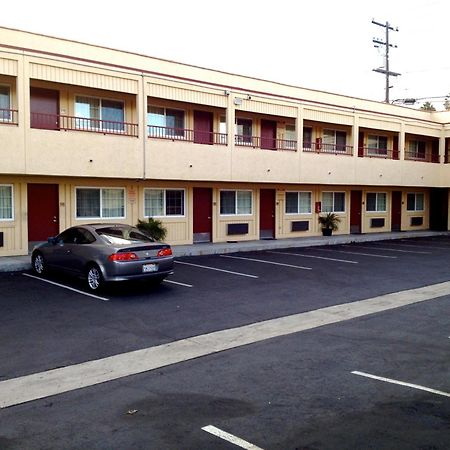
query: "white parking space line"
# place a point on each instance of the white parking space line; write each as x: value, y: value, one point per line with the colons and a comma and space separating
x: 356, y: 253
x: 423, y: 245
x: 266, y: 262
x: 402, y: 383
x: 66, y: 287
x: 230, y: 438
x: 375, y: 247
x: 217, y: 269
x: 413, y: 245
x: 314, y: 256
x: 178, y: 283
x: 56, y: 381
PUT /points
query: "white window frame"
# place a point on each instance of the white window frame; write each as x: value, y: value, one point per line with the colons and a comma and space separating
x: 101, y: 126
x: 164, y: 202
x: 298, y: 203
x: 101, y: 188
x: 235, y: 202
x: 9, y: 219
x: 290, y: 143
x: 333, y: 208
x: 376, y: 210
x: 2, y: 115
x: 168, y: 132
x: 415, y: 201
x: 376, y: 151
x: 243, y: 139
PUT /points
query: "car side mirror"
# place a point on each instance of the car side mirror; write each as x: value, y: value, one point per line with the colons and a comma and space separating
x: 52, y: 240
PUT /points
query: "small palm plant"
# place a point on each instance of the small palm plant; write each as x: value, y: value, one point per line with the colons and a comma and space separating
x: 329, y: 222
x: 152, y: 228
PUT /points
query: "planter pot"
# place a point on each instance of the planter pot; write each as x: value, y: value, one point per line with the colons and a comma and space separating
x: 327, y: 231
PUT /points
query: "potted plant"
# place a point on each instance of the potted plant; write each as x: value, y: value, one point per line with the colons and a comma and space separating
x: 152, y: 228
x: 329, y: 223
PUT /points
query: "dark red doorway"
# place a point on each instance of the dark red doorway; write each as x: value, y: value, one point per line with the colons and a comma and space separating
x: 202, y: 215
x: 355, y: 212
x: 268, y: 134
x: 396, y: 213
x: 267, y: 213
x: 44, y: 108
x: 43, y: 211
x: 203, y: 127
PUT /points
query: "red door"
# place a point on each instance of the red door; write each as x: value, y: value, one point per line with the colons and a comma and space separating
x: 267, y: 213
x: 203, y: 127
x: 44, y: 107
x: 43, y: 211
x: 355, y: 212
x: 268, y: 134
x: 396, y: 213
x: 202, y: 215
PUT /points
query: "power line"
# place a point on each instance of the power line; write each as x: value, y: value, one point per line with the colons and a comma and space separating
x: 387, y: 45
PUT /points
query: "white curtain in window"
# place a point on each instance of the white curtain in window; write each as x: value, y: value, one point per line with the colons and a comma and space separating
x: 113, y: 203
x: 304, y: 202
x: 381, y: 202
x: 154, y: 202
x: 6, y: 211
x: 327, y: 202
x: 244, y: 202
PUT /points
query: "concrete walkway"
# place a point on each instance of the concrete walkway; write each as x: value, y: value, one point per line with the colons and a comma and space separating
x: 19, y: 263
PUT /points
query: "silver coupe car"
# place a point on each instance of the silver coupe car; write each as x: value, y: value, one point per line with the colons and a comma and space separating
x: 104, y: 252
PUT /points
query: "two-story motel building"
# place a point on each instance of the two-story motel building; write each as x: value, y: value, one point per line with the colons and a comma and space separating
x: 91, y: 134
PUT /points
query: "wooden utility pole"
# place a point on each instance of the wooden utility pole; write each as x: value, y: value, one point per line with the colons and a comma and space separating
x: 386, y: 44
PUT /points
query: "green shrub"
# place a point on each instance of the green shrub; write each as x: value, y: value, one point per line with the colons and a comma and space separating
x: 329, y: 220
x: 153, y: 228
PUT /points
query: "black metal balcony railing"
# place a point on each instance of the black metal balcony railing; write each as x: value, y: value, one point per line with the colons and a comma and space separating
x: 265, y: 143
x: 371, y: 152
x: 335, y: 149
x: 9, y: 116
x: 183, y: 134
x: 426, y: 156
x: 72, y: 123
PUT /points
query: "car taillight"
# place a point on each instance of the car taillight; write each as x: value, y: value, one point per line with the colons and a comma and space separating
x: 164, y: 252
x: 126, y: 256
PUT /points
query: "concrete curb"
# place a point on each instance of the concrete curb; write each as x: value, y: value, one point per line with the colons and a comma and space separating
x: 22, y: 263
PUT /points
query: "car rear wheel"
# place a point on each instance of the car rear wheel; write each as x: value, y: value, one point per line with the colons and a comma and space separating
x: 38, y: 263
x: 94, y: 278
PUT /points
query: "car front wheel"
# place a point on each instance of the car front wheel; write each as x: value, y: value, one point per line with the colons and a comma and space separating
x: 38, y: 263
x: 94, y: 278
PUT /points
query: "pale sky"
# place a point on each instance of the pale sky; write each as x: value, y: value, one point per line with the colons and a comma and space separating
x: 322, y: 44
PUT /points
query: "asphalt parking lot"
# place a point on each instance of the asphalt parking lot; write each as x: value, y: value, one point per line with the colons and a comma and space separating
x: 308, y: 348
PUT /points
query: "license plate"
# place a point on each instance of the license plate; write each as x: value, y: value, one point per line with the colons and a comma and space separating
x: 150, y: 268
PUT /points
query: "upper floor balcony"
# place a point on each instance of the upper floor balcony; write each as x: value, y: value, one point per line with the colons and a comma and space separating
x: 60, y: 108
x: 9, y: 116
x: 8, y: 99
x: 327, y: 139
x: 62, y: 122
x: 378, y: 144
x: 421, y: 148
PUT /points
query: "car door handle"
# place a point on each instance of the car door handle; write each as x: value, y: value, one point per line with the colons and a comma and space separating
x: 68, y: 251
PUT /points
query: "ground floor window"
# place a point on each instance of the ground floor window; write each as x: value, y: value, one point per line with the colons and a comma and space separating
x: 105, y: 203
x: 164, y: 202
x: 415, y: 201
x: 333, y: 201
x: 298, y: 203
x: 235, y: 202
x: 6, y: 202
x: 376, y: 202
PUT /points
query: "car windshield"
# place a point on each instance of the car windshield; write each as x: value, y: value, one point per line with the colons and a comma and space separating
x: 123, y: 235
